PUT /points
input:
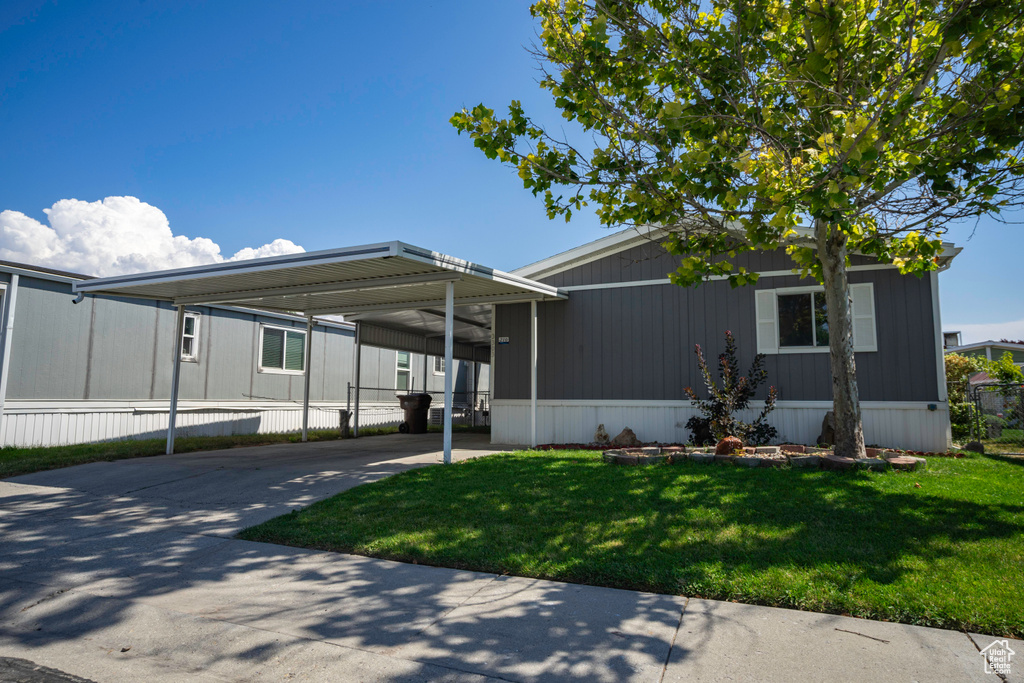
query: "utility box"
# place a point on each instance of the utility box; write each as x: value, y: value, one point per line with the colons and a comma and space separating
x: 416, y: 407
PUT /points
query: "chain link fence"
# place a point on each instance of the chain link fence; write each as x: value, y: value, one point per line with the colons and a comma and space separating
x: 379, y: 407
x: 990, y: 413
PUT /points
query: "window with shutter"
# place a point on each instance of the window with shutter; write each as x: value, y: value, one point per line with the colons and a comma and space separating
x: 795, y: 319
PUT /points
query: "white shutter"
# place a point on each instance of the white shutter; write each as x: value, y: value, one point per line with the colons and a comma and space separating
x: 765, y: 305
x: 863, y: 308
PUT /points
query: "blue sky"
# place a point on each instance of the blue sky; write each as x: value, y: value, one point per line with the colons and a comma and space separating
x: 322, y: 123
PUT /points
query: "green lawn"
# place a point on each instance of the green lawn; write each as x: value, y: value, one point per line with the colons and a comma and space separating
x: 1010, y: 441
x: 949, y: 553
x: 15, y: 461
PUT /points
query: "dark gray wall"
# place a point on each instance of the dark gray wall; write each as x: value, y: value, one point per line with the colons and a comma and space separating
x: 637, y: 343
x: 121, y: 349
x: 651, y: 262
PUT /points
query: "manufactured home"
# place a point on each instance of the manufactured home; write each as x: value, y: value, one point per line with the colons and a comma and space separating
x: 619, y: 350
x: 595, y: 335
x: 101, y: 369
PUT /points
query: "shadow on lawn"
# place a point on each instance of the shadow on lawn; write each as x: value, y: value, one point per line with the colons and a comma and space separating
x: 685, y: 529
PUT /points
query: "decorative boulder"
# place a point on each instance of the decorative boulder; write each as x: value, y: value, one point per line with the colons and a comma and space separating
x: 728, y: 446
x: 601, y: 436
x: 828, y: 429
x: 626, y: 438
x: 975, y: 446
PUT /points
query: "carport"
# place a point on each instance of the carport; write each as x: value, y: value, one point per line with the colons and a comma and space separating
x: 400, y: 296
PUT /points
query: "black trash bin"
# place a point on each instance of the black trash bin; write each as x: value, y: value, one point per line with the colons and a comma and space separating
x: 416, y: 407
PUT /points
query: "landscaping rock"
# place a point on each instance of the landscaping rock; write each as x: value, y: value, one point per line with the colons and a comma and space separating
x: 728, y: 459
x: 921, y: 462
x: 702, y: 457
x: 975, y: 447
x: 728, y: 446
x: 601, y: 436
x: 876, y: 464
x: 626, y: 438
x: 805, y: 461
x: 837, y: 462
x: 650, y: 459
x: 903, y: 463
x: 748, y: 461
x: 828, y: 429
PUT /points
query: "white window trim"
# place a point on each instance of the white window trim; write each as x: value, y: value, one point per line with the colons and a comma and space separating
x: 782, y: 350
x: 194, y: 357
x: 399, y: 369
x: 434, y: 364
x: 259, y: 350
x: 789, y: 291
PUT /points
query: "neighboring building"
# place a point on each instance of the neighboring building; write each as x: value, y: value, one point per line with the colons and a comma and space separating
x: 620, y: 349
x: 101, y: 369
x: 992, y: 350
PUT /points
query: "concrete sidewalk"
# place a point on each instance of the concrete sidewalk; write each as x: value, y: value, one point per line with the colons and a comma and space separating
x: 125, y: 574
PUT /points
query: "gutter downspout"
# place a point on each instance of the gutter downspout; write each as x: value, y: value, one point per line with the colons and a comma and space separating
x: 10, y: 299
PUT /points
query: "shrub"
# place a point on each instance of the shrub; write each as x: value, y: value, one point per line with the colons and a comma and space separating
x: 735, y: 394
x: 963, y: 418
x: 994, y: 426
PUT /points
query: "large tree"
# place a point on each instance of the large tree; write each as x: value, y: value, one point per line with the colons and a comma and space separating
x: 827, y: 128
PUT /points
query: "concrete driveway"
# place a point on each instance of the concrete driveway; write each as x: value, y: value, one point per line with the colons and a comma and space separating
x: 128, y: 571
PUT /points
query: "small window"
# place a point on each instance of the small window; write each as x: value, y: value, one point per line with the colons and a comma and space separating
x: 190, y: 337
x: 803, y: 320
x: 438, y: 365
x: 282, y: 350
x: 403, y: 370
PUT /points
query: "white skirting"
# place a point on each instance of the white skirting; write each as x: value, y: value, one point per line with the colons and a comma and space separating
x: 53, y: 423
x: 908, y: 425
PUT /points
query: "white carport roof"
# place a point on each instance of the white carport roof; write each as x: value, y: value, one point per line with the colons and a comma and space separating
x: 396, y: 285
x: 391, y: 285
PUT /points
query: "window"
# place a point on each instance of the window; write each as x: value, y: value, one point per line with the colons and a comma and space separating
x: 795, y: 319
x: 282, y: 350
x: 403, y: 371
x: 190, y: 337
x: 803, y: 320
x: 438, y: 365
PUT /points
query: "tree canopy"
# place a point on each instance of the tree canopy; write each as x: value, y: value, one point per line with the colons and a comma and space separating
x: 827, y: 127
x: 736, y: 122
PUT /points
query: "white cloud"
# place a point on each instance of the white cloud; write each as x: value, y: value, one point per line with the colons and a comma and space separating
x: 112, y: 237
x: 979, y: 332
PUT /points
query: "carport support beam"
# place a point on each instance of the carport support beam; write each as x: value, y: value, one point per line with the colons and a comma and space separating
x: 449, y: 325
x: 179, y: 325
x: 305, y: 378
x: 533, y: 373
x: 358, y: 371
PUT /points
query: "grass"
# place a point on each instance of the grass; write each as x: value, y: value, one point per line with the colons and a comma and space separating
x: 948, y: 553
x: 16, y: 460
x: 1010, y: 441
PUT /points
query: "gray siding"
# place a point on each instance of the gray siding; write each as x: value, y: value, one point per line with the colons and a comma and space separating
x: 652, y: 262
x: 121, y: 349
x: 637, y: 343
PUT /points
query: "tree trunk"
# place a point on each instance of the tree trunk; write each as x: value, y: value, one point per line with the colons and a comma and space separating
x: 845, y: 399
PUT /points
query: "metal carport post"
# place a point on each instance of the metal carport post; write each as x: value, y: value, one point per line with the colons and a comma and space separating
x: 449, y: 343
x: 175, y: 377
x: 305, y: 377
